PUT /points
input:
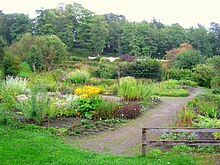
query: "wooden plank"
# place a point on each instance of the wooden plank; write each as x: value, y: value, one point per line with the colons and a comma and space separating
x: 144, y: 144
x: 192, y: 130
x: 178, y: 142
x: 185, y: 142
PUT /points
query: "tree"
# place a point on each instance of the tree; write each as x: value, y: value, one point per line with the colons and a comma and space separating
x: 52, y: 48
x: 10, y: 64
x: 45, y: 22
x: 215, y: 37
x: 171, y: 37
x: 2, y: 48
x: 99, y: 33
x: 139, y: 39
x: 199, y: 38
x: 173, y: 52
x: 115, y: 23
x: 35, y: 58
x: 188, y: 59
x: 13, y: 25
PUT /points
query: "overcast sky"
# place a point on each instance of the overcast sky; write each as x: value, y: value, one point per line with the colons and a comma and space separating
x: 185, y: 12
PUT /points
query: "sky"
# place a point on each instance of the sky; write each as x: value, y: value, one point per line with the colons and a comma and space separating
x: 185, y: 12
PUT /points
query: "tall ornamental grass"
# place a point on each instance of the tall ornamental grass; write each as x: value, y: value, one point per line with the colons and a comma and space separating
x: 130, y: 89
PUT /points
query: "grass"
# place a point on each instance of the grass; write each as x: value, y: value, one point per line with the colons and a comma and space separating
x: 36, y: 146
x: 169, y: 88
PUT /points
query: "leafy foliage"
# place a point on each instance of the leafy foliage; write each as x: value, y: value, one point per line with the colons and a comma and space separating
x: 148, y: 68
x: 129, y: 110
x: 130, y: 89
x: 188, y: 59
x: 78, y: 77
x: 10, y: 65
x: 203, y: 74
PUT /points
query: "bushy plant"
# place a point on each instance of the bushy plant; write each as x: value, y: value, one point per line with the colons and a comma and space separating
x: 60, y: 105
x: 146, y: 68
x: 87, y: 102
x: 215, y: 82
x: 87, y: 91
x: 75, y: 58
x: 85, y: 107
x: 206, y: 122
x: 215, y: 61
x: 178, y: 74
x: 37, y: 104
x: 25, y: 70
x: 106, y: 70
x: 129, y: 110
x: 188, y: 59
x: 106, y: 110
x: 10, y: 65
x: 127, y: 57
x: 78, y: 77
x: 47, y: 79
x: 188, y: 83
x: 130, y: 89
x: 169, y: 88
x: 203, y: 74
x: 16, y: 85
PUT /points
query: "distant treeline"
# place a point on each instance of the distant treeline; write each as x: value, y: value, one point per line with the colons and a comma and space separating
x: 81, y: 28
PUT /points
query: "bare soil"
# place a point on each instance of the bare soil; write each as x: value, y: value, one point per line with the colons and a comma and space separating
x: 126, y: 140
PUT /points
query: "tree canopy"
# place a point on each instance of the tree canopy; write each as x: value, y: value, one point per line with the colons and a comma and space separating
x: 80, y: 28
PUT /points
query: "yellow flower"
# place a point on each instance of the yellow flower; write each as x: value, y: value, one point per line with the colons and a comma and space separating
x: 87, y: 91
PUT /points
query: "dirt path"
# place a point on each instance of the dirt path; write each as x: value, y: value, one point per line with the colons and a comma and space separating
x: 126, y: 140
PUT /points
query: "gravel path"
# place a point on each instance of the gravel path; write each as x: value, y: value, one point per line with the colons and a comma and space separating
x: 126, y: 140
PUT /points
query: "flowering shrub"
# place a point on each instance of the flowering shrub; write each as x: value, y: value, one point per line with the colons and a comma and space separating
x: 127, y: 57
x: 88, y: 101
x: 87, y: 91
x: 129, y: 110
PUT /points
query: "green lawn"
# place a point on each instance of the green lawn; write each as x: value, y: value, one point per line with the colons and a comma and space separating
x: 25, y: 146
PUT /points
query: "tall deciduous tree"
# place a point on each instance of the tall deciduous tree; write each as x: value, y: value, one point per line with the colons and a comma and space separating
x: 199, y: 38
x: 99, y: 33
x: 215, y: 37
x: 2, y: 48
x: 13, y: 25
x: 52, y: 48
x: 171, y: 37
x: 115, y: 24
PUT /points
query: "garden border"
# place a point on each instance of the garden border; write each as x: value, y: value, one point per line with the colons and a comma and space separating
x: 178, y: 142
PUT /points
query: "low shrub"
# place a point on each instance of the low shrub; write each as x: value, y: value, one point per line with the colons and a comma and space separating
x: 35, y: 107
x: 169, y: 88
x: 47, y: 79
x: 206, y: 122
x: 106, y: 110
x: 127, y: 57
x: 203, y: 74
x: 188, y: 59
x: 178, y: 74
x: 25, y: 70
x: 129, y: 110
x: 188, y: 83
x: 215, y: 82
x: 106, y: 70
x: 10, y: 65
x: 85, y: 107
x: 146, y: 68
x: 78, y: 77
x: 76, y: 58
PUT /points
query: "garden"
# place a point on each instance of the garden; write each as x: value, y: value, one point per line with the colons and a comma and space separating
x: 54, y: 95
